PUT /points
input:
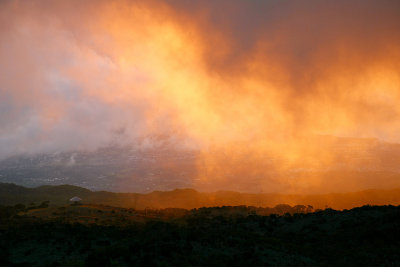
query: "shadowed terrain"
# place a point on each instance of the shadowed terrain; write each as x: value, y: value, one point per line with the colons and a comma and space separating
x: 95, y: 235
x: 11, y: 194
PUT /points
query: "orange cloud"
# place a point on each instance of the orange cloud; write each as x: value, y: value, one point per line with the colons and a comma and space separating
x: 239, y: 80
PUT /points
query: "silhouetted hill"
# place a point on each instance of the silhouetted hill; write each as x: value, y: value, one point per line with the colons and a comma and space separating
x: 94, y: 235
x: 11, y: 194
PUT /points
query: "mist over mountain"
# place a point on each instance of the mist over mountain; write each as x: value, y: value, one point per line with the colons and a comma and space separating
x: 239, y: 90
x: 138, y: 167
x: 356, y: 164
x: 199, y: 133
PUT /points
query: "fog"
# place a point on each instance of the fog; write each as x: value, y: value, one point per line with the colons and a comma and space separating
x: 259, y: 78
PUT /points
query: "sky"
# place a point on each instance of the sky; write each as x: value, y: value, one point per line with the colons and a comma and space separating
x: 261, y: 75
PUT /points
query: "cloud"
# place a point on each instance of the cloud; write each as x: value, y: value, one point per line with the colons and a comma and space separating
x: 263, y: 74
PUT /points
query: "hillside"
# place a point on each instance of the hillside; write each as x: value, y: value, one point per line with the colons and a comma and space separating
x: 352, y: 164
x: 231, y: 236
x: 11, y: 194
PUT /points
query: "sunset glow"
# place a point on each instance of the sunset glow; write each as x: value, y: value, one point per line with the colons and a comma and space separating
x: 255, y: 88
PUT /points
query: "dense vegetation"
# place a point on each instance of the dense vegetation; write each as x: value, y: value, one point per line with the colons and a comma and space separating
x: 42, y: 235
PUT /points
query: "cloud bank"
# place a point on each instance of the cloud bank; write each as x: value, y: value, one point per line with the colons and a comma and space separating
x: 258, y: 76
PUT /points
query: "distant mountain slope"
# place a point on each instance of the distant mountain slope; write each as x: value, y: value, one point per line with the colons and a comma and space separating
x: 352, y: 164
x: 11, y: 194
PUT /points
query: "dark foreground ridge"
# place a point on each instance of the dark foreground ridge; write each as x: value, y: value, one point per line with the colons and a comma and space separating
x: 11, y: 194
x: 95, y: 235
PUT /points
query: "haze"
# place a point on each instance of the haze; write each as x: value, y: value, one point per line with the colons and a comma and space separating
x: 253, y: 80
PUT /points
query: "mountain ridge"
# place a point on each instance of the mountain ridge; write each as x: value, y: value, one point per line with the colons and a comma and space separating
x: 188, y: 198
